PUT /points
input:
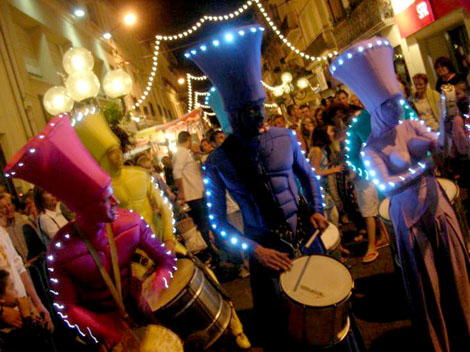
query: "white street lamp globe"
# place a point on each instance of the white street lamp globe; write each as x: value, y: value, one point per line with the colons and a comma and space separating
x: 286, y: 77
x: 302, y: 83
x: 77, y: 59
x: 57, y: 100
x: 278, y: 91
x: 117, y: 83
x: 83, y: 85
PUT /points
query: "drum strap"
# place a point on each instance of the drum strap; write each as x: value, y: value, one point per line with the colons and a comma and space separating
x: 115, y: 290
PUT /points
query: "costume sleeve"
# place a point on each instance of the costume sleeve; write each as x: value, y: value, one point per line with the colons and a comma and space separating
x: 306, y: 176
x: 383, y: 180
x: 89, y: 324
x: 353, y: 153
x: 217, y: 206
x: 163, y: 204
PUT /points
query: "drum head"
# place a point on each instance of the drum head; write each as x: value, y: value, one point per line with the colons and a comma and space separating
x: 330, y: 237
x: 449, y: 187
x: 384, y: 209
x: 156, y: 338
x: 180, y: 280
x: 325, y: 281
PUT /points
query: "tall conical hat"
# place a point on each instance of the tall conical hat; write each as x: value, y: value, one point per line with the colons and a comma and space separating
x: 56, y: 161
x: 367, y: 68
x: 232, y: 62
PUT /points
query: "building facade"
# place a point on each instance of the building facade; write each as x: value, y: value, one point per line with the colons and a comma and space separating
x: 320, y: 27
x: 34, y: 35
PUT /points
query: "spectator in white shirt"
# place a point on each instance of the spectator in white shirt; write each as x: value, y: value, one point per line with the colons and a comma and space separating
x: 11, y: 262
x: 188, y: 178
x: 50, y: 218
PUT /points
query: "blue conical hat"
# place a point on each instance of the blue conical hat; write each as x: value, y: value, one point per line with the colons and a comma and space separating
x: 232, y: 62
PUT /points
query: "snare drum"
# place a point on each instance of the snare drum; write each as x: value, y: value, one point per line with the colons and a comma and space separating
x: 331, y: 239
x: 192, y: 307
x: 317, y: 290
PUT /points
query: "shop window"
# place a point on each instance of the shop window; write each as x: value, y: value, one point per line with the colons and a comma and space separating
x: 460, y: 50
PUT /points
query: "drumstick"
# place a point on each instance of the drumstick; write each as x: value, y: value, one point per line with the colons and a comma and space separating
x: 311, y: 239
x: 302, y: 273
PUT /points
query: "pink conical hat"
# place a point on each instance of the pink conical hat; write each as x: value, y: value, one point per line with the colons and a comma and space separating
x: 57, y: 161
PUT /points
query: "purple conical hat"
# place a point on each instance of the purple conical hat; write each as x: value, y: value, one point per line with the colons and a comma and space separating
x: 232, y: 62
x: 367, y: 68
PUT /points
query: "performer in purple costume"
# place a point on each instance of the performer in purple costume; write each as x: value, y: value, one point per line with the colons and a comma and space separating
x: 432, y: 250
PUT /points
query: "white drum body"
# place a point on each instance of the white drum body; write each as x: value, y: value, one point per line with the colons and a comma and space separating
x: 317, y: 291
x: 331, y: 238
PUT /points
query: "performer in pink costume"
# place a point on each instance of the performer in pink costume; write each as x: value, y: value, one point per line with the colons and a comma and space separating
x: 432, y: 251
x: 57, y: 161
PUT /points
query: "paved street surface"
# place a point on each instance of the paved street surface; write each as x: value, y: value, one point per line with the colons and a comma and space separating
x: 378, y: 303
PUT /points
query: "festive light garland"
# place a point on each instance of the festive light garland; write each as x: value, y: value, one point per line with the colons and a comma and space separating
x: 189, y: 79
x: 151, y: 77
x: 225, y: 17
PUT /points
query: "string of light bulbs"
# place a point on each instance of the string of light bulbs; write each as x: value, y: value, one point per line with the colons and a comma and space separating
x: 189, y: 78
x: 213, y: 18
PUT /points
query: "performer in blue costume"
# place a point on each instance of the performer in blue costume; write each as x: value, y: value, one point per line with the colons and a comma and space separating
x: 259, y: 169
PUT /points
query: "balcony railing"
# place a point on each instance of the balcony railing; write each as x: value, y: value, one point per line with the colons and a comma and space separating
x: 366, y: 15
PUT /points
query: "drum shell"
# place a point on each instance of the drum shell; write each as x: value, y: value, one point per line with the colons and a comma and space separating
x: 316, y: 326
x: 321, y: 326
x: 198, y: 314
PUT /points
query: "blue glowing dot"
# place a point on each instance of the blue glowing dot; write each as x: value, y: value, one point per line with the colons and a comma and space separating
x: 372, y: 173
x: 193, y: 52
x: 187, y: 55
x: 369, y: 45
x: 211, y: 217
x: 349, y: 56
x: 223, y: 233
x: 206, y: 181
x: 229, y: 37
x: 215, y: 42
x: 209, y: 205
x: 360, y: 49
x: 382, y: 187
x: 203, y: 167
x: 208, y: 193
x: 244, y: 246
x: 214, y: 226
x: 333, y: 68
x: 379, y: 42
x: 213, y: 89
x: 242, y: 33
x: 402, y: 102
x: 234, y: 240
x: 376, y: 182
x: 340, y: 61
x: 253, y: 29
x: 261, y: 29
x: 203, y: 47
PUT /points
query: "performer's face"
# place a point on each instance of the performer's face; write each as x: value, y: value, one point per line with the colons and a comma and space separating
x: 105, y: 209
x: 116, y: 158
x: 391, y: 109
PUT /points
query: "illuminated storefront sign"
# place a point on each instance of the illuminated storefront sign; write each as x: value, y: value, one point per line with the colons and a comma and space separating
x: 416, y: 16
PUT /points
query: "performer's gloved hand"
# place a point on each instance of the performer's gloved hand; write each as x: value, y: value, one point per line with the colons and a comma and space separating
x: 319, y: 221
x: 273, y: 259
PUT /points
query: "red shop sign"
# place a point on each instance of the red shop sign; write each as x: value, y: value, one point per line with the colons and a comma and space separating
x: 415, y: 17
